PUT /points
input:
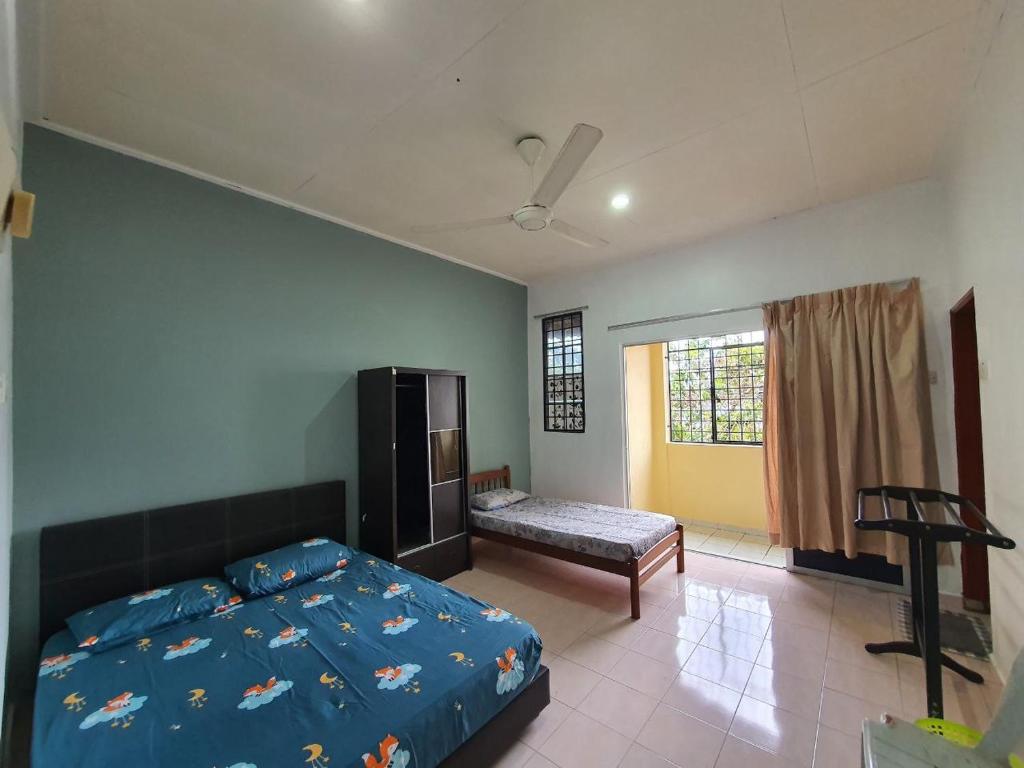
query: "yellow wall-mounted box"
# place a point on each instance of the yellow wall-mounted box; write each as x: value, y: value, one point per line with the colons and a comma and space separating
x: 22, y: 209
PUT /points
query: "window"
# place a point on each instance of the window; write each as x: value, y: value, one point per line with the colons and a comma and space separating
x: 563, y: 372
x: 716, y: 389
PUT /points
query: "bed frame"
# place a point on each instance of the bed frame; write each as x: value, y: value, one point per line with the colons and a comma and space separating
x: 87, y: 563
x: 637, y: 570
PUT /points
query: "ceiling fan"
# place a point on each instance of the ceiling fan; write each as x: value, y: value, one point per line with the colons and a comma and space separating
x: 536, y: 214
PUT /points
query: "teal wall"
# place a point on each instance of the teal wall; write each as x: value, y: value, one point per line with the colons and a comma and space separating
x: 175, y: 340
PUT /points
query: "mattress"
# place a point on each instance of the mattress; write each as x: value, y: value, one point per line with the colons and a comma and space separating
x: 594, y: 529
x: 369, y: 666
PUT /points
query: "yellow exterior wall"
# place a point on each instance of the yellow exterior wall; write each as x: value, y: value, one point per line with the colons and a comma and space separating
x: 720, y: 484
x: 645, y: 492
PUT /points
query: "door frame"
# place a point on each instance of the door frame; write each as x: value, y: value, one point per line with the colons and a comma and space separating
x: 969, y: 448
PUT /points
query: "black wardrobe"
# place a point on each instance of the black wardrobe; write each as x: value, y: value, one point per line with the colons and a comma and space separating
x: 413, y: 460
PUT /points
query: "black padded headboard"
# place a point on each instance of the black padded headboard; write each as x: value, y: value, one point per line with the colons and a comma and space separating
x: 87, y: 563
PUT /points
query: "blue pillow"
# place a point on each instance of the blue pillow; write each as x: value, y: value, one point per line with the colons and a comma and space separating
x: 127, y: 618
x: 286, y: 567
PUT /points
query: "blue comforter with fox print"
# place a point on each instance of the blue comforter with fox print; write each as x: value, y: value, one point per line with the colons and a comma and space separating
x: 369, y: 666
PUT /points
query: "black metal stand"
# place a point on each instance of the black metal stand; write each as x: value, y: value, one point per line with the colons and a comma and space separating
x: 924, y: 537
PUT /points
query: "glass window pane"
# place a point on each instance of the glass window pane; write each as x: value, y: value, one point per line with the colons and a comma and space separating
x: 563, y: 392
x: 716, y: 388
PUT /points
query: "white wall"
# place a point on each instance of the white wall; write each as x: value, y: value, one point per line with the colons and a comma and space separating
x: 983, y: 176
x: 11, y: 115
x: 895, y: 234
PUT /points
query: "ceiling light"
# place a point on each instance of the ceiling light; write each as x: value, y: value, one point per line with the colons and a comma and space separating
x: 620, y: 201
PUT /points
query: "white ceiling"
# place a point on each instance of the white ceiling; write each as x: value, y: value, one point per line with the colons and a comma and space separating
x: 390, y: 113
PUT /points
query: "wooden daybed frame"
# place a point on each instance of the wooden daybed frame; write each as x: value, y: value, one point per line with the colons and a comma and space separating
x: 637, y: 570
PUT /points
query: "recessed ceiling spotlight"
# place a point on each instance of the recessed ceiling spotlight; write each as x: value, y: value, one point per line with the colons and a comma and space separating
x: 620, y: 201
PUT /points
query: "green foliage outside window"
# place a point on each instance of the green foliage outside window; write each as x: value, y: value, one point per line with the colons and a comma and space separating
x: 716, y: 389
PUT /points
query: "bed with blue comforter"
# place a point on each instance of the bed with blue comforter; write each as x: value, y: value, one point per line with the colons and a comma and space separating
x: 368, y: 666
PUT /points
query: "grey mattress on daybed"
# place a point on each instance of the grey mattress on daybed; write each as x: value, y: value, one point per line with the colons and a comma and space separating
x: 609, y: 532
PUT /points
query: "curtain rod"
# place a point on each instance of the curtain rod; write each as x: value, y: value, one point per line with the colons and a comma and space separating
x: 714, y: 312
x: 560, y: 312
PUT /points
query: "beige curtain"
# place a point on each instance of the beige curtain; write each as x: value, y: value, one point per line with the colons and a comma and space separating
x: 847, y: 405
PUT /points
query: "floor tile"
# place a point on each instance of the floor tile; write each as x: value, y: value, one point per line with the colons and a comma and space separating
x: 552, y: 716
x: 557, y: 635
x: 787, y: 633
x: 619, y: 707
x: 753, y: 602
x: 847, y: 713
x: 775, y: 730
x: 616, y: 628
x: 686, y: 627
x: 581, y: 742
x: 709, y: 702
x: 571, y: 682
x: 515, y: 756
x: 799, y: 662
x: 663, y: 647
x: 852, y: 652
x: 693, y: 540
x: 719, y: 668
x: 875, y: 609
x: 594, y: 653
x: 881, y: 688
x: 682, y: 739
x: 739, y: 754
x: 744, y: 621
x: 688, y: 605
x: 861, y: 630
x: 804, y: 614
x: 810, y: 589
x: 835, y: 749
x: 720, y: 543
x: 794, y: 694
x: 775, y: 557
x: 538, y: 760
x: 718, y: 574
x: 708, y: 590
x: 643, y: 674
x: 750, y: 549
x: 641, y: 757
x: 657, y: 597
x: 732, y: 642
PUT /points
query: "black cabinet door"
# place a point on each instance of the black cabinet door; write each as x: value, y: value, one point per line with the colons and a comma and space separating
x: 447, y: 500
x: 444, y: 397
x: 377, y: 462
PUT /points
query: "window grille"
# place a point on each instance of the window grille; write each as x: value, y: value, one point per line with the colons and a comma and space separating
x: 563, y: 373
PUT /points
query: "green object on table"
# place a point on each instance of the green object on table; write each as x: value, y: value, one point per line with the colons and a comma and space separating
x: 958, y: 734
x: 950, y: 731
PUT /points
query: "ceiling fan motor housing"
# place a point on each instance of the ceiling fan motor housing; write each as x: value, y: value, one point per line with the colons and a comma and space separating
x: 532, y: 218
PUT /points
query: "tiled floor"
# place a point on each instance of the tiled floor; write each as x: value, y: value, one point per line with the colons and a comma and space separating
x: 738, y: 545
x: 733, y: 665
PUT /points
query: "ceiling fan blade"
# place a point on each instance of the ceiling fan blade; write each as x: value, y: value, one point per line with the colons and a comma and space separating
x: 569, y: 232
x: 461, y: 226
x: 567, y: 164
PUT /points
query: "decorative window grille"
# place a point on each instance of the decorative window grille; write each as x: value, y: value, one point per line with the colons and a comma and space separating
x: 563, y: 372
x: 716, y: 389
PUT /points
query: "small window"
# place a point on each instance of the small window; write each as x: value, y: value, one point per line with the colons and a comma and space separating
x: 716, y: 389
x: 563, y: 372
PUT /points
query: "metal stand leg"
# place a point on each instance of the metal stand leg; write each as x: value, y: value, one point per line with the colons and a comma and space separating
x: 910, y: 649
x: 930, y: 628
